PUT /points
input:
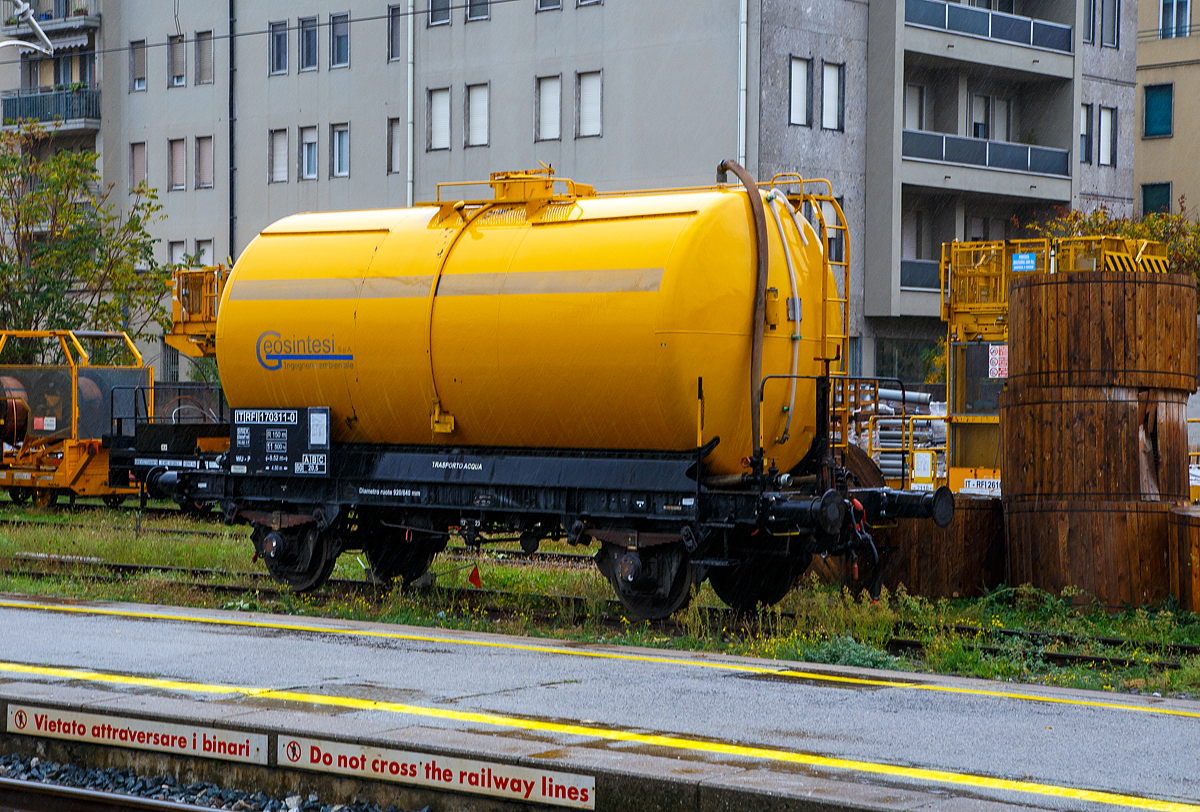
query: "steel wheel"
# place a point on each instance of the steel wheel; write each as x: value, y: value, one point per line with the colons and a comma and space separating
x: 760, y: 578
x: 19, y: 496
x: 301, y: 558
x: 651, y: 583
x: 114, y: 500
x: 45, y: 497
x: 407, y: 559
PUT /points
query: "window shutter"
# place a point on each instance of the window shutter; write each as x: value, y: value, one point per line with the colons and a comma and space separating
x: 831, y: 83
x: 279, y: 153
x: 589, y: 103
x: 799, y: 112
x: 204, y: 162
x: 395, y: 146
x: 549, y: 108
x: 477, y: 115
x: 439, y: 119
x: 137, y: 163
x: 178, y: 57
x: 139, y: 60
x: 1106, y: 136
x: 395, y: 33
x: 204, y: 58
x: 178, y: 164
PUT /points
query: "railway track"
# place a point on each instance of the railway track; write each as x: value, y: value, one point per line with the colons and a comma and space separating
x: 575, y: 609
x: 36, y: 796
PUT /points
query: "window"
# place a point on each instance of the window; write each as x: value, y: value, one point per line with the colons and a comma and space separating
x: 308, y: 43
x: 204, y: 162
x: 914, y: 107
x: 439, y: 12
x: 1108, y: 136
x: 1110, y: 19
x: 87, y: 68
x: 980, y: 107
x: 137, y: 66
x: 801, y: 93
x: 308, y: 153
x: 589, y: 3
x: 176, y: 252
x: 548, y: 5
x: 204, y: 253
x: 176, y: 62
x: 1159, y: 103
x: 395, y: 141
x: 177, y: 165
x: 339, y: 150
x: 549, y: 109
x: 279, y: 43
x: 439, y: 118
x: 588, y: 104
x: 204, y: 58
x: 339, y: 41
x: 62, y: 70
x: 477, y: 9
x: 833, y: 93
x: 395, y: 32
x: 477, y: 116
x: 1085, y: 133
x: 837, y: 244
x: 1089, y: 21
x: 137, y: 163
x: 277, y: 152
x: 1173, y: 19
x: 1156, y: 198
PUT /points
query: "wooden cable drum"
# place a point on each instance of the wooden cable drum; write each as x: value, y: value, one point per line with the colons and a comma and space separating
x: 1081, y: 442
x: 1102, y: 329
x: 1116, y: 552
x: 959, y: 561
x: 1184, y: 556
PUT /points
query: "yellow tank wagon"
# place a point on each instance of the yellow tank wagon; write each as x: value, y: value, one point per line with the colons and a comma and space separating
x: 534, y: 320
x: 649, y: 371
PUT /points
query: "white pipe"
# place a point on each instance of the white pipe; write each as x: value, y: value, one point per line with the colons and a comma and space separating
x: 743, y: 70
x: 773, y: 199
x: 412, y: 90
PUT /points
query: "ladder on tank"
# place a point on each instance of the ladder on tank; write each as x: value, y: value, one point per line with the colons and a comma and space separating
x: 825, y: 209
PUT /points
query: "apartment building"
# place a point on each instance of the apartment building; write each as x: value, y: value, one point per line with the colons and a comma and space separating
x: 929, y: 128
x: 1167, y: 165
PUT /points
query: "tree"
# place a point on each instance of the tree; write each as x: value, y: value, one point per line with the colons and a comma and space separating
x: 70, y: 256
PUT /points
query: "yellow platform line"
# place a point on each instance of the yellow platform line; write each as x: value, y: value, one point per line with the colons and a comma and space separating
x: 920, y: 774
x: 604, y: 655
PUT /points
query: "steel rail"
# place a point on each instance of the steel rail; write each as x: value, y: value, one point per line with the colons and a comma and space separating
x: 36, y: 796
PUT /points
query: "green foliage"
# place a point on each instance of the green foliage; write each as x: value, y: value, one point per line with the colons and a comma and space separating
x: 72, y: 254
x: 1179, y: 231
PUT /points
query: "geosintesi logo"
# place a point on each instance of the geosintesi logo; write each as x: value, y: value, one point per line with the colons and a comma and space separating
x: 301, y: 352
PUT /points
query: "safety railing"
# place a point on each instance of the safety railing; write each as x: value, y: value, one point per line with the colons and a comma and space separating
x: 892, y: 441
x: 956, y: 149
x: 57, y: 105
x: 980, y: 22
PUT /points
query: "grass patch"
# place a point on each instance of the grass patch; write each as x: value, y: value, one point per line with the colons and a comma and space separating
x: 814, y: 623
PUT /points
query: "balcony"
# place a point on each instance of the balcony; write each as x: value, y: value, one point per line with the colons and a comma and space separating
x: 927, y: 146
x: 57, y: 16
x: 994, y: 25
x: 64, y: 109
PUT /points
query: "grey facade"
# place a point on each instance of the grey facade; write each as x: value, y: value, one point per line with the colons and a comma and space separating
x: 312, y: 106
x: 977, y: 120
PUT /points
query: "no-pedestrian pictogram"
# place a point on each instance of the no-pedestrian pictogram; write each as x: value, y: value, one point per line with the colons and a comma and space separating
x: 20, y: 719
x: 293, y: 751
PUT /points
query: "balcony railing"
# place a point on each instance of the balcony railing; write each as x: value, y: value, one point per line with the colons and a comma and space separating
x: 980, y: 22
x: 920, y: 273
x: 56, y: 15
x: 991, y: 154
x: 56, y: 105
